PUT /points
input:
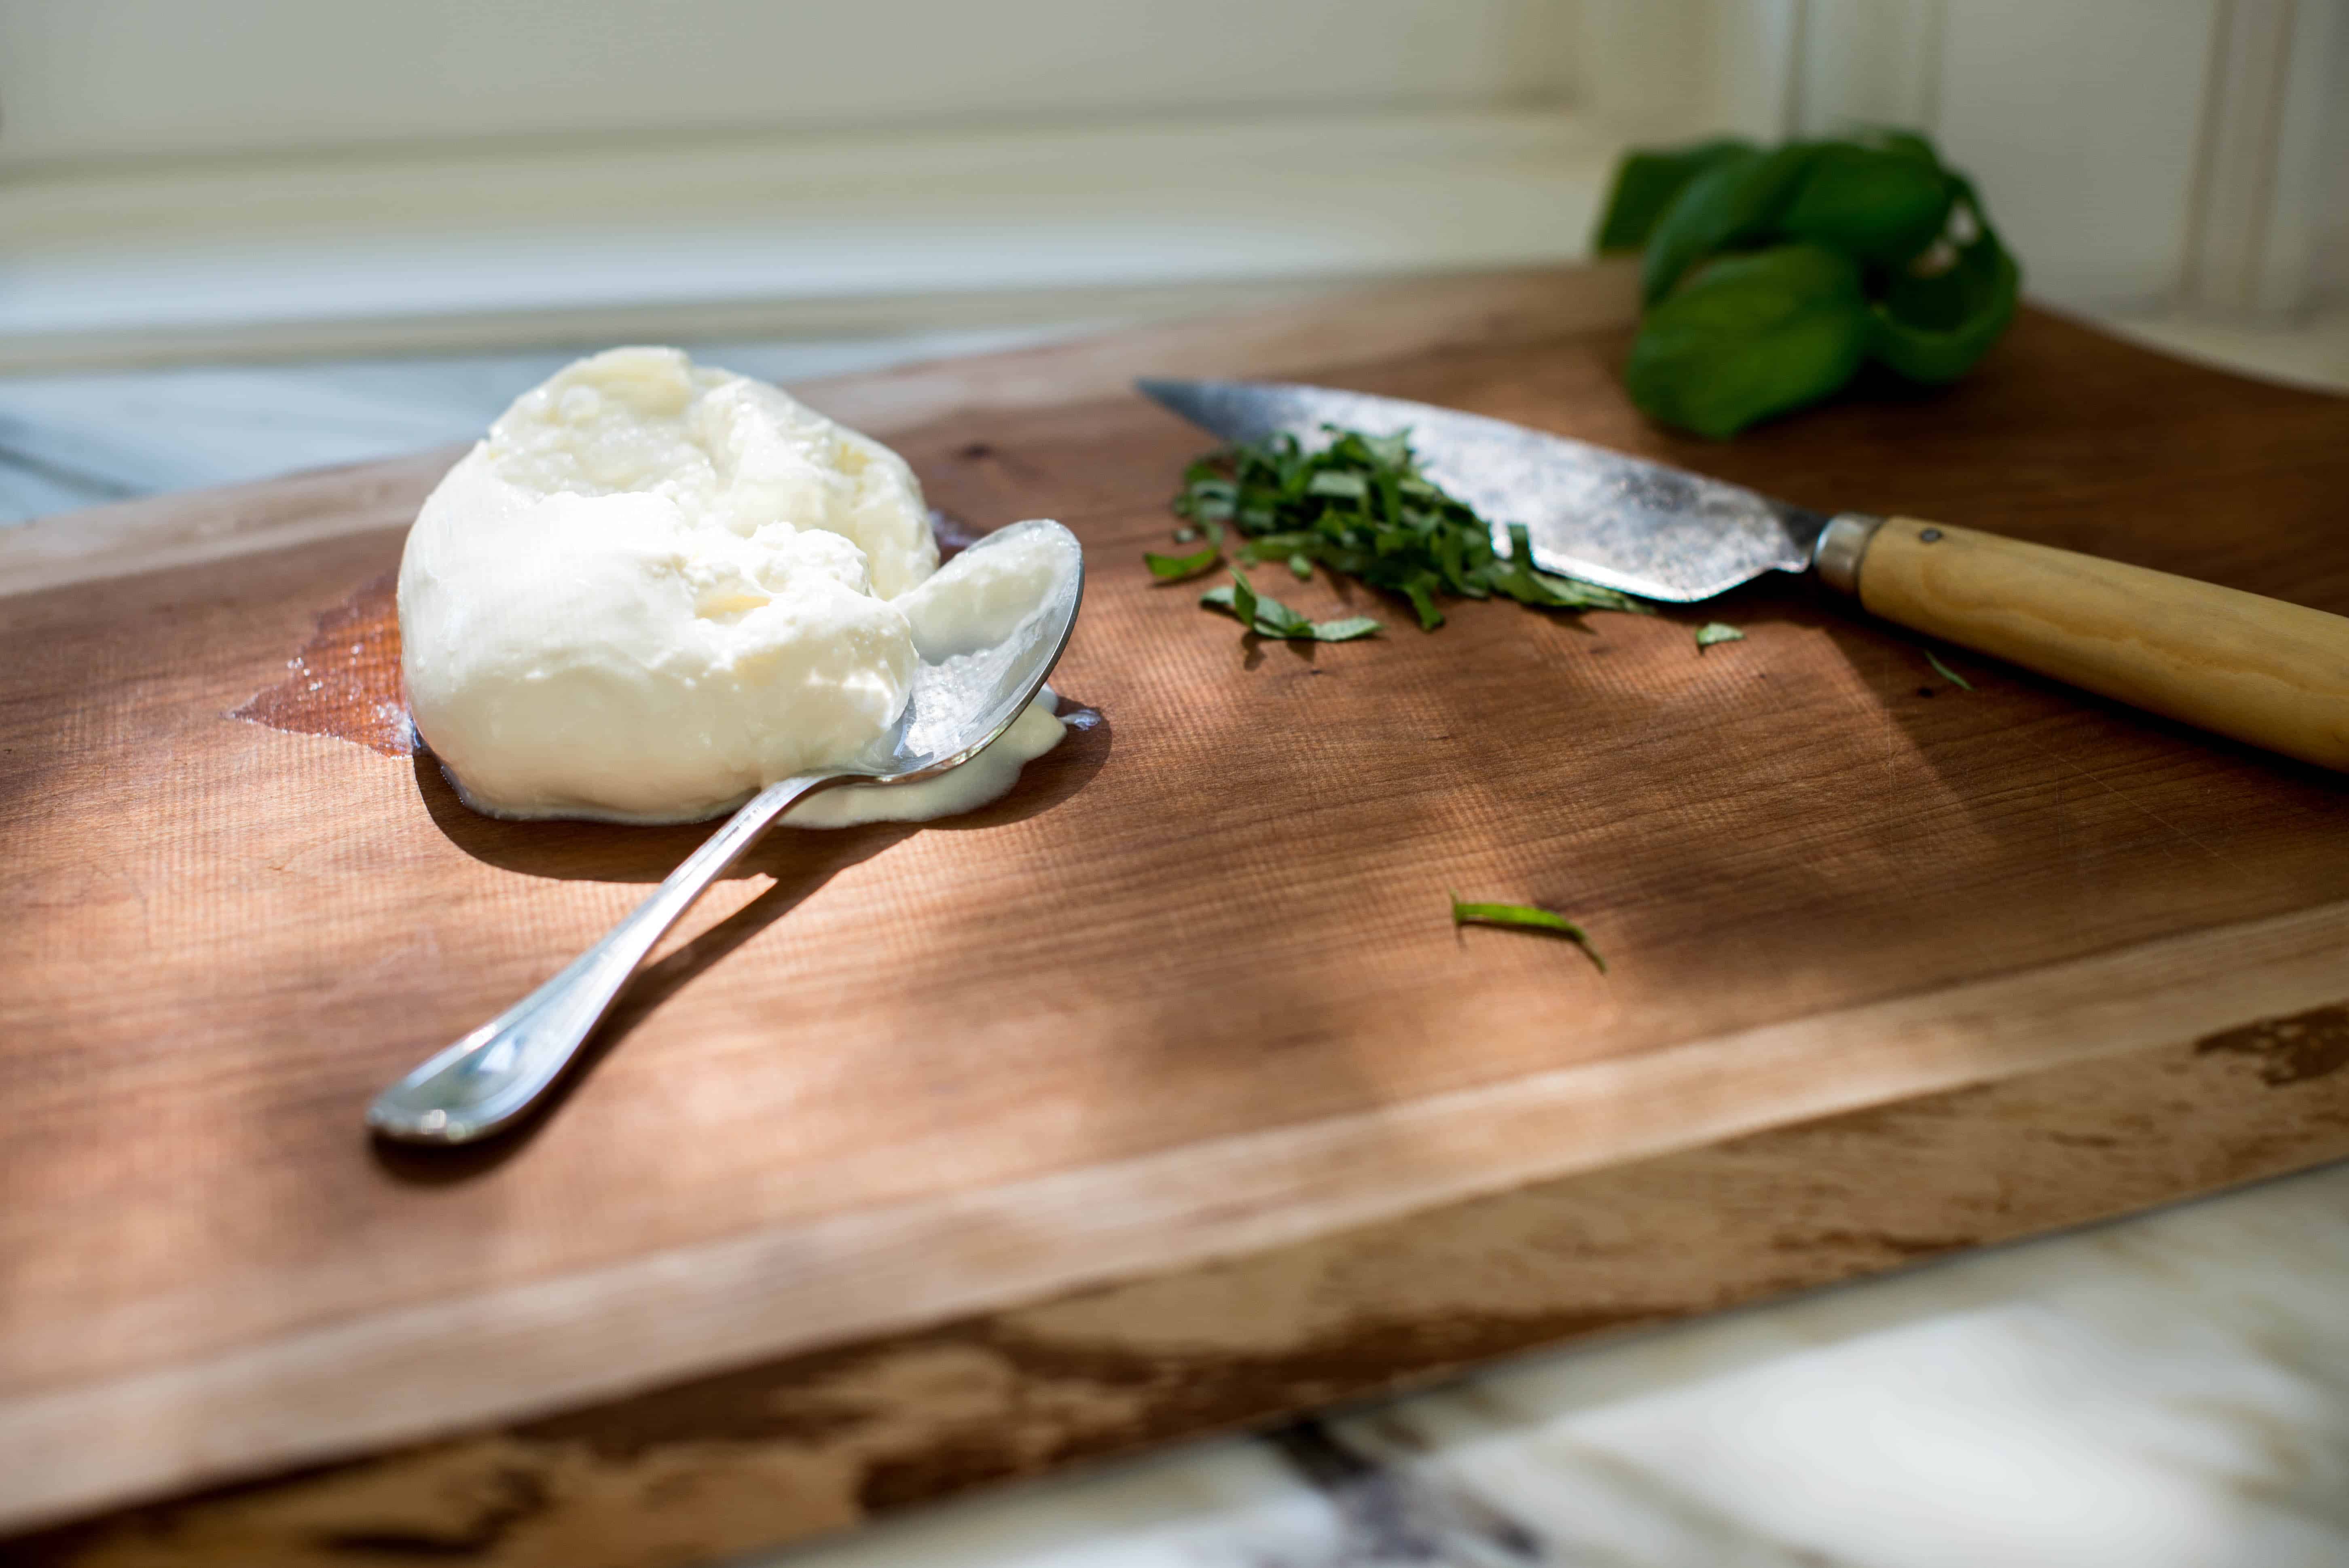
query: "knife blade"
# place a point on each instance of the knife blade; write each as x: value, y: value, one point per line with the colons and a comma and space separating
x: 2258, y: 669
x: 1620, y: 522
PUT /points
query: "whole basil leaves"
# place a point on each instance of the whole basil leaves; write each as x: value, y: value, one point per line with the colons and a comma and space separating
x: 1749, y: 335
x: 1771, y: 275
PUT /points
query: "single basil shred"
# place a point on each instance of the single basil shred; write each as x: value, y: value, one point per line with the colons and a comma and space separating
x: 1174, y: 568
x: 1361, y: 507
x: 1269, y: 617
x: 1525, y: 917
x: 1345, y: 629
x: 1945, y: 672
x: 1713, y: 631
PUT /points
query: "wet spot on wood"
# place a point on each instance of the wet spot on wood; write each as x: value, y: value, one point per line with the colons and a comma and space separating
x: 2290, y: 1050
x: 343, y: 682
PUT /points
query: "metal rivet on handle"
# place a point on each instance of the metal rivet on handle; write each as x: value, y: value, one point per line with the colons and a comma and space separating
x: 1930, y: 536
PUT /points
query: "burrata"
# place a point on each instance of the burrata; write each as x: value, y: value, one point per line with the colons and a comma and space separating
x: 657, y: 586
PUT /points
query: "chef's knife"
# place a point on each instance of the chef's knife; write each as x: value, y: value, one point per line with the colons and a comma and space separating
x: 2260, y: 670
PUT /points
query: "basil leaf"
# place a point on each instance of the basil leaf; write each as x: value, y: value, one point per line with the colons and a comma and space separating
x: 1935, y: 323
x: 1301, y: 567
x: 1423, y: 603
x: 1645, y: 185
x: 1345, y: 630
x: 1244, y: 600
x: 1269, y: 617
x: 1385, y: 451
x: 1519, y: 579
x: 1277, y: 546
x: 1174, y: 568
x: 1713, y: 631
x: 1749, y: 336
x: 1515, y: 578
x: 1524, y: 917
x: 1574, y: 594
x: 1735, y: 202
x: 1872, y: 204
x: 1275, y: 619
x: 1907, y: 144
x: 1945, y: 672
x: 1938, y: 285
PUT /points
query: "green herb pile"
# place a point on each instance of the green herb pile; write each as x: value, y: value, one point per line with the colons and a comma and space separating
x: 1771, y: 276
x: 1359, y: 508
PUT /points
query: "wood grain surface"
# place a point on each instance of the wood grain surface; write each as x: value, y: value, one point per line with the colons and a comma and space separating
x: 1161, y: 1096
x: 2257, y: 668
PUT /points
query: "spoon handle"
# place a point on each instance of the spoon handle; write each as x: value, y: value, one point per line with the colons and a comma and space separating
x: 494, y: 1074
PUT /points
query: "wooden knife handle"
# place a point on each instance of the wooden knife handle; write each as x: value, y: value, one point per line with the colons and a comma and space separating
x: 2260, y: 670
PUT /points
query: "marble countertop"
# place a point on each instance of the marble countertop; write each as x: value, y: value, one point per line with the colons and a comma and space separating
x: 2168, y: 1391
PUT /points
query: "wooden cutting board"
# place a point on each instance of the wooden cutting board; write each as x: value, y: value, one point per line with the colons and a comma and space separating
x: 1160, y: 1096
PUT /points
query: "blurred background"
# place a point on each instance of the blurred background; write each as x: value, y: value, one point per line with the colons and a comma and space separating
x: 252, y: 235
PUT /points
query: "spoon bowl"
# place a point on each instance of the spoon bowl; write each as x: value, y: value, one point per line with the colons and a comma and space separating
x: 986, y: 653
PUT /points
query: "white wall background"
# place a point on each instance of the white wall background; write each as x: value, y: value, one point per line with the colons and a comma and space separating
x: 2081, y: 119
x: 174, y: 174
x: 129, y: 78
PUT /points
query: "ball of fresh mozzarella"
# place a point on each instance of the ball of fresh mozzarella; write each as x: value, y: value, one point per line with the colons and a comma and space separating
x: 657, y: 586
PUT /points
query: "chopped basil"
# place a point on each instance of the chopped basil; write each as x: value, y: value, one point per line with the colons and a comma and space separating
x: 1573, y: 593
x: 1343, y: 630
x: 1269, y: 617
x: 1945, y: 672
x: 1525, y: 917
x: 1244, y: 604
x: 1361, y: 507
x: 1713, y: 631
x: 1174, y: 568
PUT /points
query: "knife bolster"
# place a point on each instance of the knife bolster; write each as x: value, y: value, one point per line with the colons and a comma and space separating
x: 1842, y: 545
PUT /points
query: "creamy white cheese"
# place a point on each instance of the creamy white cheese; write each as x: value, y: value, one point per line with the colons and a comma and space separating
x: 657, y: 586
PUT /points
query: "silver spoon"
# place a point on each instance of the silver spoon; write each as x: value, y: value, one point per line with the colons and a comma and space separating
x: 959, y: 704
